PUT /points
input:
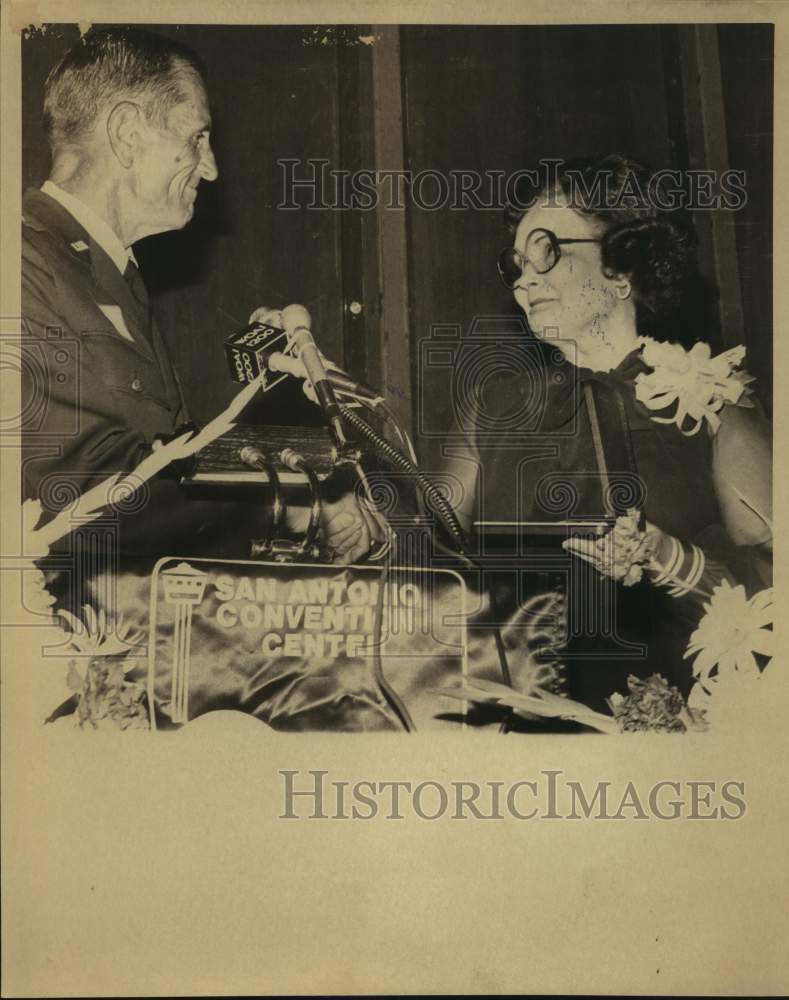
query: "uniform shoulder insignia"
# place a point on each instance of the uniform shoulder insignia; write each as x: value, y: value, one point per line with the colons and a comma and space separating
x: 79, y: 245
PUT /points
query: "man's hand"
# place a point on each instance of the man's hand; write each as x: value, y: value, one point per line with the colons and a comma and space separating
x: 273, y: 317
x: 348, y: 530
x: 267, y: 316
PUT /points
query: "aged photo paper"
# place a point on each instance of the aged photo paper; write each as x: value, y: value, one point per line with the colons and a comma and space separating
x: 393, y: 447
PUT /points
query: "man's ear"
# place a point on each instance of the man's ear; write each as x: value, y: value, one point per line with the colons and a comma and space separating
x: 124, y: 124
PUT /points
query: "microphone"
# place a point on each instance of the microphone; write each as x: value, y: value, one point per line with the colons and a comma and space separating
x: 248, y: 352
x: 297, y: 322
x: 261, y: 350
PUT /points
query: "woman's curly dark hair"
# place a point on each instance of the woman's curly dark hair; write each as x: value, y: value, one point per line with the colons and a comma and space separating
x: 655, y: 247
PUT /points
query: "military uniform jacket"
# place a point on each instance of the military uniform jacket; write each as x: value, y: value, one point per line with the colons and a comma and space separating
x: 98, y: 384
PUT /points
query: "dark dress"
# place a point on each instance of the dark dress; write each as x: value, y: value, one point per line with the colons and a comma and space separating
x: 577, y: 445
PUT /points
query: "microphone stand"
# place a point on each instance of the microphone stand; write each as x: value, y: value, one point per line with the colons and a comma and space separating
x: 272, y: 545
x: 309, y: 544
x: 451, y: 525
x: 261, y: 548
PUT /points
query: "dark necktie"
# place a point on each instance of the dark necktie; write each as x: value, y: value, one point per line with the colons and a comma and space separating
x: 135, y: 282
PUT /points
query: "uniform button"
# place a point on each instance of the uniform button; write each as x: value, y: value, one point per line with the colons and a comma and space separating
x: 136, y: 384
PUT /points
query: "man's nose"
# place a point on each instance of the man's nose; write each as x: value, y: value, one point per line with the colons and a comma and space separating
x: 208, y: 167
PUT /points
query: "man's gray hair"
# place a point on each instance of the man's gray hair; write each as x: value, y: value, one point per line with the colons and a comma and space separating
x: 108, y: 66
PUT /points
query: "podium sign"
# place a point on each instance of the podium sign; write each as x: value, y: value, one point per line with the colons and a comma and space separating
x: 306, y: 646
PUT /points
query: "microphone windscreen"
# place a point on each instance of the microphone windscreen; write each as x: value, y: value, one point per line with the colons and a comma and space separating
x: 296, y: 316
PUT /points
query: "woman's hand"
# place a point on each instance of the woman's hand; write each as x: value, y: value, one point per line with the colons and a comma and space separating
x: 625, y: 551
x: 349, y: 531
x: 628, y: 551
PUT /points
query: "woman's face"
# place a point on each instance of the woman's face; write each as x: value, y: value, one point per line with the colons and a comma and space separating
x: 574, y: 300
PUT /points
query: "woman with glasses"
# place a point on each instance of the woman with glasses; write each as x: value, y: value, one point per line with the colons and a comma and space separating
x: 627, y: 414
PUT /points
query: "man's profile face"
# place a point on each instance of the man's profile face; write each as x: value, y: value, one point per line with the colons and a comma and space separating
x: 175, y: 158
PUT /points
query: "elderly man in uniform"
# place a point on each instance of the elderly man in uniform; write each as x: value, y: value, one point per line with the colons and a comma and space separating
x: 127, y: 117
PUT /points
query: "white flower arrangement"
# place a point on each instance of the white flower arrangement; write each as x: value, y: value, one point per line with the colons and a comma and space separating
x: 697, y: 383
x: 98, y: 634
x: 732, y: 633
x: 105, y: 697
x: 739, y: 701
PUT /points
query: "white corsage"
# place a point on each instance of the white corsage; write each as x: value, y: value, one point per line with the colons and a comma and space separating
x: 698, y: 383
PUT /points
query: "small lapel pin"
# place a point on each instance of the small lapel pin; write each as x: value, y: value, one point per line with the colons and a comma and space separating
x: 79, y: 245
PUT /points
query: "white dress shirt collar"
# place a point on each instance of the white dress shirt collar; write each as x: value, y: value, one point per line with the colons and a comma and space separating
x: 93, y: 224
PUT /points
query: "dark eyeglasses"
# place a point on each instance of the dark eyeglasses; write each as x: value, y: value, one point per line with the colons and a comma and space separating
x: 542, y: 251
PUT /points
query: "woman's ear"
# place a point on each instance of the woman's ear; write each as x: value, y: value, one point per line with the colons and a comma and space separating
x: 124, y: 125
x: 622, y: 286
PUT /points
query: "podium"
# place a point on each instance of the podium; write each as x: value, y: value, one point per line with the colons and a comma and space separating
x: 307, y: 647
x: 219, y: 466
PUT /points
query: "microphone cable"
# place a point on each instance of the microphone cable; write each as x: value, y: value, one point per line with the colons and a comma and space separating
x: 393, y: 699
x: 397, y: 458
x: 451, y: 523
